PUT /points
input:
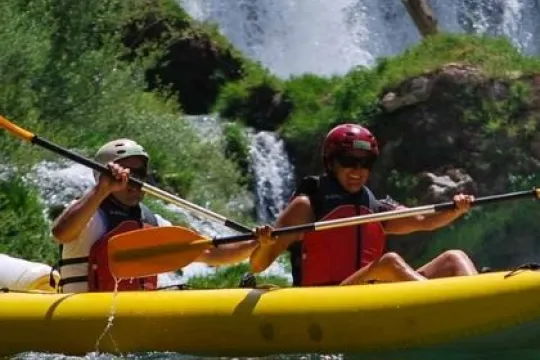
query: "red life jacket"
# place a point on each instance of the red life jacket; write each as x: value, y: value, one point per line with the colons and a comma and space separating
x: 328, y: 257
x: 99, y: 275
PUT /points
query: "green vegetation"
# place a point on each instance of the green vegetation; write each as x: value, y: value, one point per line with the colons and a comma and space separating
x: 229, y: 277
x: 24, y: 232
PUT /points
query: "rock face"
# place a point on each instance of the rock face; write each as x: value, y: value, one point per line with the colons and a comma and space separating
x: 456, y: 124
x: 455, y: 130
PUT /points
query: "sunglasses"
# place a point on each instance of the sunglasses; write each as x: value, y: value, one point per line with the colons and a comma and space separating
x: 348, y: 161
x: 141, y: 173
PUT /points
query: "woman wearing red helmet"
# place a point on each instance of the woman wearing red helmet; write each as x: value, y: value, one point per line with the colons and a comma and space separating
x: 353, y: 254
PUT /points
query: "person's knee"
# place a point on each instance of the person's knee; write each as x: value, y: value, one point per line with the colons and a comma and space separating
x: 458, y: 262
x: 454, y: 256
x: 392, y: 259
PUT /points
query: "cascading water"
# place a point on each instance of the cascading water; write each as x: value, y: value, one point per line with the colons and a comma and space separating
x: 274, y: 175
x: 327, y: 37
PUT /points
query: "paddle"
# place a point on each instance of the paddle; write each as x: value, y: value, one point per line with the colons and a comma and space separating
x: 161, y: 249
x: 149, y: 189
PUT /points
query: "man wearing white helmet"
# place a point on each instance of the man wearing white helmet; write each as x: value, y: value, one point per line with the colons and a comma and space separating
x: 113, y: 206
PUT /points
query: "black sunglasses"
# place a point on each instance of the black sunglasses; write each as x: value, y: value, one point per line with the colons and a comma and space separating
x: 140, y: 173
x: 348, y: 161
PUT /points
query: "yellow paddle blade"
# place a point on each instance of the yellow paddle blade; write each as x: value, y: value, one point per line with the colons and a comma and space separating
x: 154, y: 250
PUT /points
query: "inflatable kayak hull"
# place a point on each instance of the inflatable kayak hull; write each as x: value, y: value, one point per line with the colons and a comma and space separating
x: 487, y: 312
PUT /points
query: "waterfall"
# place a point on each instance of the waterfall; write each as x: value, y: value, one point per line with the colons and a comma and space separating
x: 274, y: 175
x: 329, y: 37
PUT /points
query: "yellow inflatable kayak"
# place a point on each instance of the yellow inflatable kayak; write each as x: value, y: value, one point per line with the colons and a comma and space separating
x: 487, y: 312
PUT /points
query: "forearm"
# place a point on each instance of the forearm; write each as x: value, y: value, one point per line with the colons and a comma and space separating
x: 438, y: 220
x: 69, y: 224
x: 409, y: 225
x: 262, y: 258
x: 228, y: 254
x: 296, y: 213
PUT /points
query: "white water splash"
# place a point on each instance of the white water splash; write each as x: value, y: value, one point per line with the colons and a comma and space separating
x: 6, y: 171
x: 515, y: 19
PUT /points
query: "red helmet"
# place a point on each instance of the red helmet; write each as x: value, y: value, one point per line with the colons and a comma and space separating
x: 347, y: 138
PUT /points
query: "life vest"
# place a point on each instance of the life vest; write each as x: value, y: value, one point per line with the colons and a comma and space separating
x: 117, y: 220
x: 99, y: 275
x: 328, y: 257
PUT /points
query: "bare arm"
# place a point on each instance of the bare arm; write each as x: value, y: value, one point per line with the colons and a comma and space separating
x: 298, y: 212
x: 420, y: 223
x: 73, y: 220
x: 429, y: 222
x: 67, y: 227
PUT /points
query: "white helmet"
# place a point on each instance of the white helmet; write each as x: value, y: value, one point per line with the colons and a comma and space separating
x: 118, y: 149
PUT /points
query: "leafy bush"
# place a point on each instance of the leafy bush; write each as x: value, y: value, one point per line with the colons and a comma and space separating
x: 25, y: 230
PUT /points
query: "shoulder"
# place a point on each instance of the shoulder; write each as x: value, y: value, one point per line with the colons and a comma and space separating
x: 300, y: 202
x: 298, y: 211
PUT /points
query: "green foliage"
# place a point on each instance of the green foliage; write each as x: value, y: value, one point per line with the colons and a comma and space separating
x: 25, y: 231
x: 237, y: 148
x: 319, y: 103
x: 402, y: 187
x: 256, y: 100
x: 313, y: 104
x: 229, y: 277
x: 357, y: 95
x: 158, y: 207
